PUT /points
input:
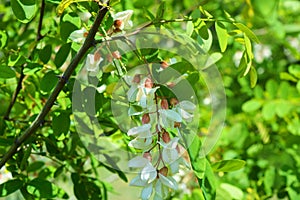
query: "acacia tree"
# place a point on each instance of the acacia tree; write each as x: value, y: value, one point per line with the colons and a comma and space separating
x: 85, y: 87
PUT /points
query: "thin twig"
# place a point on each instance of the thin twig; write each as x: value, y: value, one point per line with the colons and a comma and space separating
x: 22, y: 75
x: 89, y: 42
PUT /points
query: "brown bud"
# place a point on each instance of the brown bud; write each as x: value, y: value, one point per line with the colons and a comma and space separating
x: 109, y: 58
x: 148, y: 156
x: 166, y: 137
x: 148, y: 83
x: 164, y: 171
x: 118, y: 23
x: 85, y: 34
x: 136, y: 78
x: 170, y: 84
x: 116, y: 54
x: 97, y: 56
x: 145, y: 118
x: 174, y: 101
x: 164, y: 64
x: 164, y: 104
x: 177, y: 124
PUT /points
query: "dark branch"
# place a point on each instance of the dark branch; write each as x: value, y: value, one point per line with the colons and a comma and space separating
x: 70, y: 69
x: 22, y: 75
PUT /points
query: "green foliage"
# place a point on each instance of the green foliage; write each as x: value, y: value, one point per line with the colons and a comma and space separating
x: 254, y: 44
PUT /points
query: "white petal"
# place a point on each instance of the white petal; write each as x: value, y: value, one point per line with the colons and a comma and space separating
x: 174, y: 166
x: 148, y: 173
x: 170, y: 155
x: 187, y: 105
x: 138, y: 162
x: 136, y: 181
x: 140, y: 143
x: 172, y: 115
x: 147, y: 192
x: 168, y: 181
x: 138, y: 130
x: 132, y: 93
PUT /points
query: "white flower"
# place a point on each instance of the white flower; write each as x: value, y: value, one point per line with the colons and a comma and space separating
x: 92, y: 63
x: 186, y: 109
x: 78, y: 36
x: 139, y: 93
x: 148, y: 173
x: 143, y: 136
x: 170, y: 154
x: 168, y: 118
x: 5, y: 175
x: 124, y: 18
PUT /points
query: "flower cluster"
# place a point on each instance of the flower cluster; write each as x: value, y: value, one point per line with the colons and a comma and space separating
x: 160, y: 120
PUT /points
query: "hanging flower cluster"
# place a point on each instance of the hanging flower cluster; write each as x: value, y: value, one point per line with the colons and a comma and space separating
x: 154, y: 137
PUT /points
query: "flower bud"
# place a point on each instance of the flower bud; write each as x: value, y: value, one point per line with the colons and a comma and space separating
x: 118, y: 23
x: 177, y: 124
x: 164, y: 171
x: 166, y: 137
x: 171, y: 84
x: 136, y: 78
x: 85, y: 34
x: 97, y: 56
x: 164, y: 64
x: 148, y: 156
x: 174, y: 101
x: 148, y: 83
x: 116, y: 54
x: 164, y: 104
x: 145, y: 118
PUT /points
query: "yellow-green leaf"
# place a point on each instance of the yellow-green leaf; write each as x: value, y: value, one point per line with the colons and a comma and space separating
x: 66, y: 3
x: 253, y: 77
x: 247, y: 31
x: 222, y: 35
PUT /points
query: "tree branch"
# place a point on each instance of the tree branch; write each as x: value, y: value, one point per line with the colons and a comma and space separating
x: 22, y: 75
x: 66, y: 75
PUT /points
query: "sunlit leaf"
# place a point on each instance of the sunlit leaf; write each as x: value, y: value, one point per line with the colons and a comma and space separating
x: 222, y: 35
x: 228, y: 165
x: 66, y: 3
x: 247, y: 31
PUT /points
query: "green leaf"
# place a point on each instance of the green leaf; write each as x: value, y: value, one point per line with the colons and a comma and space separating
x: 269, y: 178
x: 61, y: 123
x: 48, y: 81
x: 45, y: 53
x: 251, y: 105
x: 253, y: 77
x: 235, y: 192
x: 58, y: 171
x: 66, y: 3
x: 228, y: 165
x: 7, y: 72
x: 272, y: 88
x: 288, y: 77
x: 41, y: 188
x: 3, y: 39
x: 283, y: 108
x: 10, y: 187
x: 222, y: 35
x: 295, y: 70
x: 62, y: 54
x: 268, y: 111
x: 161, y: 10
x: 298, y: 86
x: 247, y: 31
x: 33, y: 167
x: 24, y: 10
